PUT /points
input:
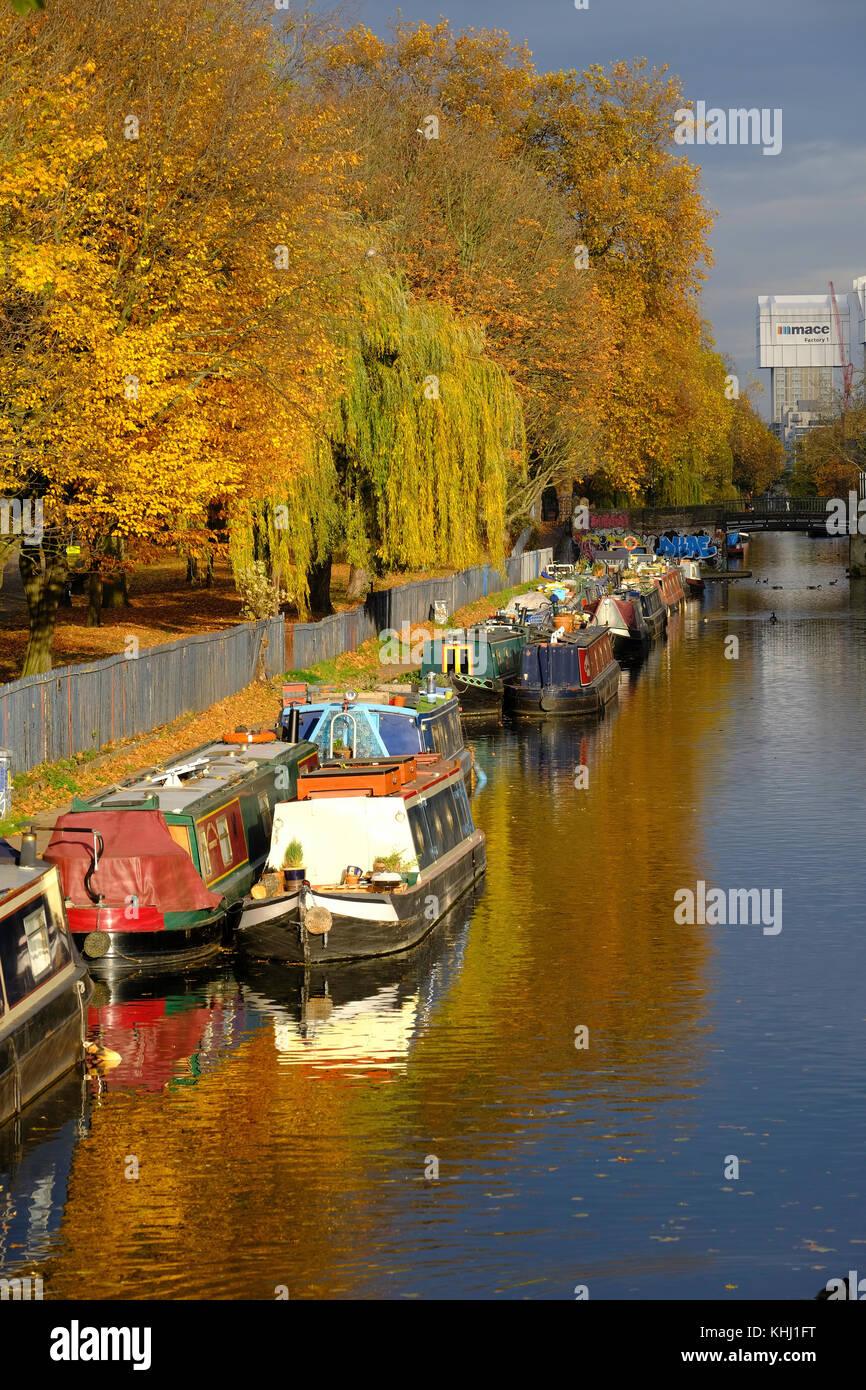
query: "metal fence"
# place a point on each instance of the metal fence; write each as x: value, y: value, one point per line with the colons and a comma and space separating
x: 389, y: 609
x: 75, y: 709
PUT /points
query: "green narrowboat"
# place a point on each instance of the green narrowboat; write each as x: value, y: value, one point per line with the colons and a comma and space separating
x: 155, y: 867
x: 475, y: 662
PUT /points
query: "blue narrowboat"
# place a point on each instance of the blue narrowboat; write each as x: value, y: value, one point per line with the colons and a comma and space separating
x: 363, y: 726
x: 566, y: 673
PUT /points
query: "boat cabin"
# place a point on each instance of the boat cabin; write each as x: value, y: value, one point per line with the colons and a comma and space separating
x: 357, y: 727
x: 44, y: 986
x: 215, y: 803
x: 485, y: 653
x: 413, y: 809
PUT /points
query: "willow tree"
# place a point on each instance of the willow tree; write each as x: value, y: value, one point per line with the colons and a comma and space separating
x: 412, y: 468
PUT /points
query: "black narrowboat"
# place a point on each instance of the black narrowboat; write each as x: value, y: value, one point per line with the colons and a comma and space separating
x: 44, y: 984
x: 568, y: 673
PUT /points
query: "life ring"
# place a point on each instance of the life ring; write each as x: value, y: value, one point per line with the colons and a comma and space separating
x: 247, y: 736
x: 631, y: 542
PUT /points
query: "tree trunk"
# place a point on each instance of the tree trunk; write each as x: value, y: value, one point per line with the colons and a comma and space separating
x: 115, y: 592
x: 94, y: 599
x: 43, y: 573
x: 360, y: 580
x: 319, y: 580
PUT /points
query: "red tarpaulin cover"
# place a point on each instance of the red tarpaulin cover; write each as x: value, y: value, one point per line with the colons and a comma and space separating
x: 140, y: 860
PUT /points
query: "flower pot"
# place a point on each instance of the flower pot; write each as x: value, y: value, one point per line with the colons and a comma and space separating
x: 292, y: 878
x: 352, y: 876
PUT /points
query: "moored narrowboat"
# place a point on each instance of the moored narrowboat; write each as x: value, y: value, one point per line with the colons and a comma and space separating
x: 634, y: 617
x: 44, y: 985
x: 361, y: 725
x: 569, y: 673
x: 475, y: 663
x: 151, y: 867
x: 410, y: 817
x: 693, y: 580
x: 670, y: 586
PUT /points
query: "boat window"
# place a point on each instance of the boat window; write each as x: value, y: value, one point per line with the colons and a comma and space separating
x: 33, y: 946
x: 461, y: 803
x: 442, y: 817
x: 447, y: 739
x: 225, y: 840
x: 204, y: 853
x: 421, y: 836
x: 180, y: 835
x: 265, y: 812
x: 399, y: 732
x: 36, y: 936
x: 307, y: 724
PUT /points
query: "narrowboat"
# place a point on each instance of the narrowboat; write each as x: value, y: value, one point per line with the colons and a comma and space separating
x: 568, y: 673
x: 152, y: 867
x: 388, y: 847
x: 364, y: 726
x: 737, y: 542
x: 670, y: 586
x: 475, y: 663
x: 693, y: 580
x: 44, y: 984
x: 634, y: 618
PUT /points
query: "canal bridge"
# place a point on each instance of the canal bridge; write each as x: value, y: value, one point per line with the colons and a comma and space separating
x: 767, y: 513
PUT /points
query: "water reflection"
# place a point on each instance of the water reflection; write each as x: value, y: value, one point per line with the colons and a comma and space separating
x: 36, y: 1151
x: 168, y: 1029
x: 289, y: 1161
x: 362, y: 1019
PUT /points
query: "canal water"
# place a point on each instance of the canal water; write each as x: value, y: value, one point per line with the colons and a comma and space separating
x: 568, y: 1087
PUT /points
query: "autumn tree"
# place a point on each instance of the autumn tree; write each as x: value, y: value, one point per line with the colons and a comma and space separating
x: 167, y: 280
x: 830, y: 458
x: 758, y: 454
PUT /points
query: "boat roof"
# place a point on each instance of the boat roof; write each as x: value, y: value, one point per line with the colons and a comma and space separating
x: 374, y: 702
x: 13, y: 878
x: 401, y: 775
x: 584, y: 637
x: 179, y: 785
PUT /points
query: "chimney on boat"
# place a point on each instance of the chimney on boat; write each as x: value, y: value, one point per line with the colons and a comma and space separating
x: 294, y: 725
x: 27, y: 858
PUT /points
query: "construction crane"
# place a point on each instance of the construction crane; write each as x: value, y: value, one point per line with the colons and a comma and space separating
x: 847, y: 367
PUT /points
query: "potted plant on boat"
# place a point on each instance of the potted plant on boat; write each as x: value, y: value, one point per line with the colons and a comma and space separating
x: 388, y: 871
x: 293, y: 865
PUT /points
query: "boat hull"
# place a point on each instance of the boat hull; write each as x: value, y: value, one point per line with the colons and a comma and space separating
x: 478, y: 702
x: 536, y: 703
x: 111, y: 952
x: 367, y: 925
x: 42, y: 1038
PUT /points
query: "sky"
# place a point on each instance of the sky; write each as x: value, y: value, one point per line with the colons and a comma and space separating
x: 786, y: 223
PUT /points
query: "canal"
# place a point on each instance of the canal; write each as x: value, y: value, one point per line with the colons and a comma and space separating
x: 566, y: 1087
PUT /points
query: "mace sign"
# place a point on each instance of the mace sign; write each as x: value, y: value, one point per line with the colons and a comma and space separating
x: 800, y: 330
